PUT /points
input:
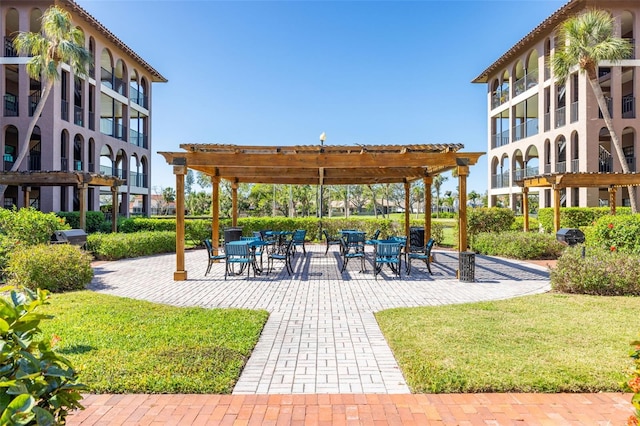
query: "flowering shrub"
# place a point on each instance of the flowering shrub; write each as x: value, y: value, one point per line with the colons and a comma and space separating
x: 576, y: 217
x: 618, y: 233
x: 602, y: 272
x: 633, y: 384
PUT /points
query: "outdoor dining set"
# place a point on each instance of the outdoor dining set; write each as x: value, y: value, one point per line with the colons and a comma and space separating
x: 246, y: 253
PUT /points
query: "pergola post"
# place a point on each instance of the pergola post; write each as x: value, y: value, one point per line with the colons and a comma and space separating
x: 463, y: 171
x: 556, y: 208
x: 26, y: 193
x: 215, y: 213
x: 407, y: 206
x: 427, y: 180
x: 525, y: 208
x: 180, y: 274
x: 82, y: 195
x: 114, y: 209
x: 234, y: 204
x: 612, y: 200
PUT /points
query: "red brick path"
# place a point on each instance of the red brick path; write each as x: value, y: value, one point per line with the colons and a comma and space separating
x: 431, y: 409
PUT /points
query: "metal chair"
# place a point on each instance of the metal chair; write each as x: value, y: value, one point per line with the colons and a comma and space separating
x: 352, y: 248
x: 387, y: 254
x: 330, y: 240
x: 212, y: 257
x: 256, y: 249
x: 373, y: 239
x: 237, y: 254
x: 426, y: 257
x: 298, y: 240
x: 284, y: 256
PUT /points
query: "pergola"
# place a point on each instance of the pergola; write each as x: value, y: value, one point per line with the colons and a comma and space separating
x: 317, y: 165
x: 80, y: 180
x: 560, y: 181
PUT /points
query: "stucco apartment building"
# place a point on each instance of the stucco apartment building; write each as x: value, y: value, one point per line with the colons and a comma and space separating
x: 100, y: 123
x: 537, y: 126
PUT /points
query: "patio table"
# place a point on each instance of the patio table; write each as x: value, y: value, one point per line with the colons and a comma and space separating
x: 281, y: 237
x: 253, y: 245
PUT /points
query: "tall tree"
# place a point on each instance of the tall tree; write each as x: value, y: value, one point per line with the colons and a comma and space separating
x: 59, y: 41
x: 437, y: 187
x: 188, y: 182
x: 584, y: 41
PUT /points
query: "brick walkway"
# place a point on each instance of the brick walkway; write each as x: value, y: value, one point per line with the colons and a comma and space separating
x: 321, y: 356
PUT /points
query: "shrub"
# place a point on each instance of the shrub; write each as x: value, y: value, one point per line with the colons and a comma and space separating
x: 137, y: 224
x: 121, y: 246
x: 195, y: 231
x: 94, y: 220
x: 619, y: 233
x: 633, y: 384
x: 518, y: 245
x: 576, y: 217
x: 36, y: 384
x: 57, y: 268
x: 30, y: 226
x: 599, y: 272
x: 518, y: 224
x: 486, y: 219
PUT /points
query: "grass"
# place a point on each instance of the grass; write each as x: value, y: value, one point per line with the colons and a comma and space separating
x: 542, y: 343
x: 127, y: 346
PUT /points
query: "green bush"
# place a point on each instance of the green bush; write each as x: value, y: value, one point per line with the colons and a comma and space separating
x: 121, y: 246
x: 599, y: 272
x: 29, y: 226
x: 518, y: 245
x: 94, y: 220
x: 56, y: 268
x: 518, y: 224
x: 37, y: 386
x: 576, y: 217
x: 486, y: 219
x: 619, y: 233
x: 137, y: 224
x: 195, y: 231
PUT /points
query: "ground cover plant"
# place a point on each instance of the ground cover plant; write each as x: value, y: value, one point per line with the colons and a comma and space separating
x: 543, y: 343
x: 127, y: 346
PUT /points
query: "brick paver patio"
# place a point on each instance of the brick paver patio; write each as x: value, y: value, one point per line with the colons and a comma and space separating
x: 321, y: 357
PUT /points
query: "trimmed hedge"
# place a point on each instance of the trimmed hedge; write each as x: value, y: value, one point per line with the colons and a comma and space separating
x: 518, y: 245
x: 518, y: 224
x: 121, y: 246
x: 600, y: 272
x: 485, y: 219
x: 576, y: 217
x: 94, y: 220
x: 617, y: 233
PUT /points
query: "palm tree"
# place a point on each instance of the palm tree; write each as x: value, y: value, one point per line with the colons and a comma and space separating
x: 437, y: 186
x: 583, y: 41
x: 59, y: 41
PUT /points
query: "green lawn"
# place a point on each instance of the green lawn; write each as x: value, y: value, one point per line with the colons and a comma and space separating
x: 126, y: 346
x: 542, y: 343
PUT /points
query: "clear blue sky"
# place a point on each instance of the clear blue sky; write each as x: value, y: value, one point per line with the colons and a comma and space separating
x: 282, y: 72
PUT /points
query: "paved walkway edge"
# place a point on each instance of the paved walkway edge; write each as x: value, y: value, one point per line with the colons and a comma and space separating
x: 356, y: 409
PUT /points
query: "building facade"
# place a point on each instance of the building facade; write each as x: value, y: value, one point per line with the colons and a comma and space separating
x: 98, y: 123
x: 539, y: 126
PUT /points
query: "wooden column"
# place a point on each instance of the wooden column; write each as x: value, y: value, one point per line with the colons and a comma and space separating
x: 556, y: 208
x: 114, y: 209
x: 180, y: 274
x: 215, y: 213
x: 26, y: 194
x: 428, y: 180
x: 234, y: 203
x: 525, y: 207
x: 82, y: 194
x: 463, y: 171
x: 612, y: 200
x: 407, y: 206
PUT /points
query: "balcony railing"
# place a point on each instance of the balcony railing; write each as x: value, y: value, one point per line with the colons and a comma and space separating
x: 547, y: 169
x: 574, y: 112
x: 500, y: 180
x: 632, y: 54
x: 547, y: 122
x: 137, y: 97
x: 139, y: 139
x: 110, y: 128
x: 35, y: 163
x: 106, y: 78
x: 531, y: 171
x: 518, y: 174
x: 531, y: 127
x: 575, y: 165
x: 526, y: 129
x: 605, y: 165
x: 628, y: 106
x: 34, y: 98
x: 64, y: 164
x: 119, y: 85
x: 138, y: 179
x: 107, y: 170
x: 499, y: 97
x: 525, y: 83
x: 78, y: 115
x: 9, y: 50
x: 609, y: 107
x: 547, y: 72
x: 631, y: 163
x: 498, y: 139
x: 10, y: 105
x: 561, y: 166
x: 561, y: 117
x: 92, y: 70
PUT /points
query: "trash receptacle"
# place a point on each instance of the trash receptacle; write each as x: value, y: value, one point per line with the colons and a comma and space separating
x: 467, y: 266
x: 232, y: 234
x: 416, y: 238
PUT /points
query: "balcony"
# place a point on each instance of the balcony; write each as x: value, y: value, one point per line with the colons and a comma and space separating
x: 10, y: 105
x: 497, y: 140
x: 137, y: 138
x: 531, y: 171
x: 517, y: 175
x: 110, y: 128
x: 526, y: 129
x: 575, y: 165
x: 138, y: 179
x: 35, y: 163
x: 137, y: 97
x: 34, y: 99
x: 605, y: 165
x: 106, y: 170
x: 561, y: 167
x: 525, y: 83
x: 78, y: 115
x: 9, y: 50
x: 628, y: 106
x: 573, y: 115
x: 631, y: 163
x: 547, y: 169
x: 64, y: 109
x: 609, y: 107
x: 561, y: 117
x: 106, y: 78
x: 499, y: 97
x: 632, y: 54
x: 119, y: 85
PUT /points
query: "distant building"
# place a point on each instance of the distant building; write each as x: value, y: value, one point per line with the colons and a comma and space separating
x: 537, y: 126
x: 98, y: 124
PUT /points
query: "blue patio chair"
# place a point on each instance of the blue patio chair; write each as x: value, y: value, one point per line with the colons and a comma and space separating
x: 256, y: 249
x: 283, y: 256
x: 298, y: 240
x: 387, y: 254
x: 352, y: 248
x: 373, y: 239
x: 240, y: 254
x: 212, y: 257
x: 335, y: 240
x: 424, y: 256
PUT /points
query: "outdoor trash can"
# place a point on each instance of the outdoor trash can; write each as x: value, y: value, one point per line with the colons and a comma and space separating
x: 467, y: 266
x: 416, y: 238
x: 570, y: 236
x: 232, y: 234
